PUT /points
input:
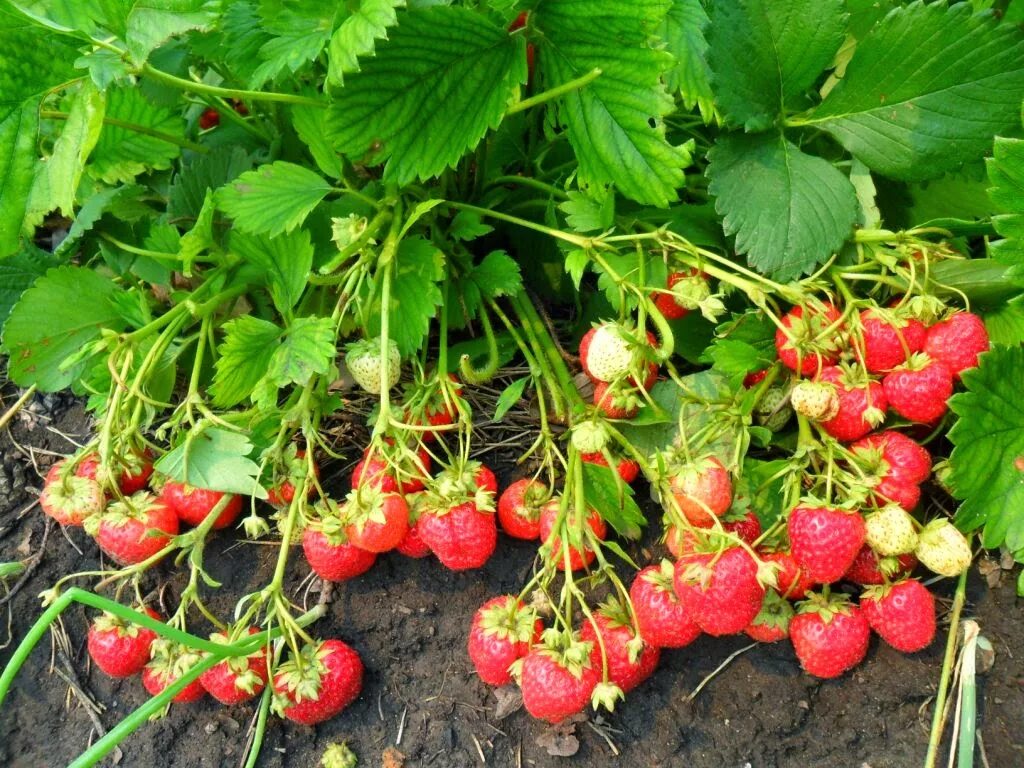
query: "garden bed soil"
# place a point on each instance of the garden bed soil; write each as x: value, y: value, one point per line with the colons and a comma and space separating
x: 408, y: 620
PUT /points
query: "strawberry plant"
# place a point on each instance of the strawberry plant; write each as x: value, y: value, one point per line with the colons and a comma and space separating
x: 763, y: 226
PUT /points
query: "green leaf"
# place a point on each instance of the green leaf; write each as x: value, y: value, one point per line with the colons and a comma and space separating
x: 684, y: 35
x: 468, y: 226
x: 417, y: 213
x: 311, y: 125
x: 273, y: 198
x: 201, y: 173
x: 17, y: 274
x: 576, y: 263
x: 244, y: 358
x: 590, y: 210
x: 1005, y: 322
x: 236, y: 41
x: 307, y: 348
x: 152, y: 22
x: 914, y: 117
x: 615, y: 123
x: 415, y: 294
x: 285, y: 259
x: 961, y: 195
x: 55, y: 318
x: 765, y: 53
x: 57, y: 176
x: 437, y: 63
x: 731, y: 357
x: 358, y: 35
x: 988, y: 455
x: 613, y: 501
x: 497, y: 275
x: 300, y: 29
x: 122, y: 154
x: 509, y: 397
x: 199, y: 238
x: 92, y: 210
x: 788, y: 210
x: 985, y: 282
x: 215, y: 459
x: 1006, y: 173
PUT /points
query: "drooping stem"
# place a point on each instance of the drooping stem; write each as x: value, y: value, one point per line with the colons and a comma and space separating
x: 229, y: 93
x: 144, y: 130
x: 939, y: 716
x: 553, y: 93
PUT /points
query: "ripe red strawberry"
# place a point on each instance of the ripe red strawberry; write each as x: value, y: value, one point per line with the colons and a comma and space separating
x: 903, y: 614
x: 747, y: 527
x: 720, y: 591
x: 702, y: 489
x: 377, y: 471
x: 581, y: 553
x: 618, y: 404
x: 281, y: 495
x: 824, y: 540
x: 686, y: 290
x: 680, y: 541
x: 413, y: 544
x: 122, y: 532
x: 209, y: 119
x: 829, y: 636
x: 169, y: 663
x: 192, y: 505
x: 894, y: 454
x: 862, y: 405
x: 662, y: 620
x: 118, y: 647
x: 751, y: 380
x: 519, y: 508
x: 772, y: 622
x: 328, y: 679
x: 239, y: 679
x: 867, y: 568
x: 628, y: 469
x: 376, y: 521
x: 138, y: 468
x: 557, y: 678
x: 502, y: 631
x: 462, y: 536
x: 440, y: 411
x: 483, y: 477
x: 957, y: 341
x: 70, y: 500
x: 888, y: 338
x: 329, y: 551
x: 918, y: 390
x: 812, y: 348
x: 630, y: 661
x: 791, y: 579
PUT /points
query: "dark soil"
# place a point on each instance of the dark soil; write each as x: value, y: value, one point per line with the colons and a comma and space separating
x: 408, y: 620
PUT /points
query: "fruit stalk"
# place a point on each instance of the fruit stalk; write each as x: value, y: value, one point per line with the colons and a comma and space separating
x: 939, y: 716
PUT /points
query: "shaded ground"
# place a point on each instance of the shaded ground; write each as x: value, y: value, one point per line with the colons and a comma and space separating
x: 408, y: 620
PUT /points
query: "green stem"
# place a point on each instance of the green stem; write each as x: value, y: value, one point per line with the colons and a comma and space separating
x: 580, y: 242
x: 230, y: 93
x: 939, y: 716
x: 18, y: 405
x: 261, y: 728
x: 48, y: 114
x: 553, y: 93
x: 529, y: 181
x: 136, y: 251
x: 539, y: 331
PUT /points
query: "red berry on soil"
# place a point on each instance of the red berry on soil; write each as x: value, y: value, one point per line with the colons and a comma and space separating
x: 281, y: 495
x: 861, y: 406
x: 578, y: 558
x: 829, y: 636
x: 519, y: 508
x: 885, y: 335
x: 236, y: 680
x: 825, y: 540
x: 680, y: 541
x: 628, y: 469
x: 135, y: 476
x: 502, y: 631
x: 413, y: 544
x: 810, y: 349
x: 703, y: 490
x: 376, y: 471
x: 70, y: 501
x: 329, y: 679
x: 867, y: 568
x: 330, y: 553
x: 918, y: 391
x: 719, y: 590
x: 626, y: 668
x: 461, y: 536
x: 747, y: 528
x: 555, y: 687
x: 377, y: 521
x: 792, y: 580
x: 119, y: 647
x: 122, y: 532
x: 957, y: 342
x: 192, y: 505
x: 169, y: 663
x: 662, y: 620
x: 903, y: 614
x: 772, y: 622
x: 895, y: 455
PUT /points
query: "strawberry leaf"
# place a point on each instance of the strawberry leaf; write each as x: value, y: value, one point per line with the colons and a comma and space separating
x: 415, y: 294
x: 684, y: 31
x: 358, y: 35
x: 509, y: 397
x: 612, y: 500
x: 300, y: 29
x: 122, y: 154
x: 1006, y: 174
x: 18, y: 273
x: 153, y: 22
x: 497, y: 275
x: 307, y: 348
x: 243, y: 360
x: 285, y: 261
x: 215, y: 459
x: 273, y: 198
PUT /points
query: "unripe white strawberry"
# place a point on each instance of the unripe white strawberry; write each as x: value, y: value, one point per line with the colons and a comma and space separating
x: 943, y: 549
x: 890, y: 531
x: 363, y: 360
x: 772, y: 411
x: 609, y: 356
x: 589, y: 437
x: 815, y: 400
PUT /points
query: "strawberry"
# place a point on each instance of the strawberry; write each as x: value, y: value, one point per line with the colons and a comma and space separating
x: 519, y: 508
x: 463, y: 536
x: 192, y: 505
x: 812, y: 346
x: 502, y: 631
x: 239, y: 679
x: 829, y: 635
x: 791, y: 579
x: 209, y: 119
x: 327, y: 547
x: 327, y: 679
x: 413, y: 544
x: 772, y: 622
x: 941, y: 548
x: 773, y: 409
x: 123, y: 531
x: 483, y: 477
x: 605, y: 353
x: 895, y: 455
x: 686, y: 290
x: 661, y: 619
x: 754, y: 378
x: 747, y: 527
x: 376, y: 521
x: 170, y: 661
x: 629, y: 660
x: 557, y: 677
x: 824, y: 540
x: 70, y: 500
x: 702, y: 489
x: 440, y: 410
x: 890, y: 531
x: 868, y: 569
x: 281, y: 495
x: 919, y: 389
x: 680, y: 541
x: 720, y: 591
x: 580, y: 548
x: 889, y: 337
x: 862, y: 404
x: 383, y: 471
x: 957, y: 342
x: 815, y: 400
x: 365, y: 361
x: 903, y: 614
x: 615, y: 404
x: 589, y: 436
x: 131, y: 475
x: 627, y: 469
x: 118, y: 647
